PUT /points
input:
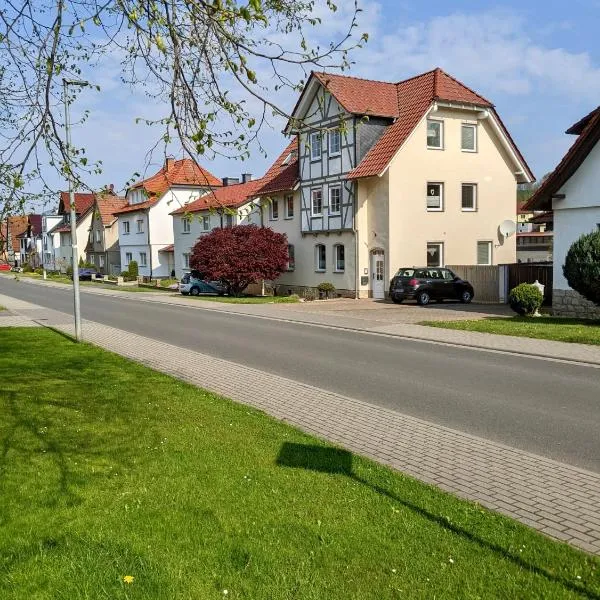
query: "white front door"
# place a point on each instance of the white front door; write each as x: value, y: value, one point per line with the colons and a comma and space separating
x: 378, y: 274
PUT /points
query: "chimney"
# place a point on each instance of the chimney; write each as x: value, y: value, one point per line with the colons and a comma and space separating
x: 230, y: 180
x: 246, y: 177
x: 169, y: 163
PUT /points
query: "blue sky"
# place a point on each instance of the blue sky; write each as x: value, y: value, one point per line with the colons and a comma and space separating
x: 539, y: 63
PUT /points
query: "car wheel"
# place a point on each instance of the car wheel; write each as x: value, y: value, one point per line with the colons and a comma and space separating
x: 423, y: 298
x: 184, y: 294
x: 466, y: 297
x: 195, y: 291
x: 397, y: 300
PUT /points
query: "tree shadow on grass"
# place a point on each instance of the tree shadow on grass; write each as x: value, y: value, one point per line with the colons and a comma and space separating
x: 339, y: 462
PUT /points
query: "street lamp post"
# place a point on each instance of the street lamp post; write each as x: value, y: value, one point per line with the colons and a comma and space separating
x: 75, y: 259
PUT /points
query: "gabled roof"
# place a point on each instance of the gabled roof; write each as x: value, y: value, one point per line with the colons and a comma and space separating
x: 33, y: 228
x: 588, y: 130
x: 107, y: 204
x: 16, y: 225
x: 229, y: 196
x: 177, y: 172
x: 83, y: 202
x: 405, y: 102
x: 283, y: 174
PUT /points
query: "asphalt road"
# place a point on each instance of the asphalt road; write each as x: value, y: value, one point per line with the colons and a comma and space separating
x: 549, y: 408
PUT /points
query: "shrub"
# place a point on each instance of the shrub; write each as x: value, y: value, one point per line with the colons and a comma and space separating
x: 525, y: 299
x: 27, y: 268
x: 70, y: 271
x: 582, y: 266
x: 309, y: 294
x: 81, y: 262
x: 240, y: 255
x: 326, y: 288
x: 39, y: 271
x: 133, y: 269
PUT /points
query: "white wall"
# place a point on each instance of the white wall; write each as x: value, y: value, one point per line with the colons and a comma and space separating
x: 577, y: 213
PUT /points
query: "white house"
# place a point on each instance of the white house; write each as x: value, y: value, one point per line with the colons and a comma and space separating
x: 145, y: 224
x: 571, y: 191
x: 61, y: 233
x: 50, y: 242
x: 232, y: 204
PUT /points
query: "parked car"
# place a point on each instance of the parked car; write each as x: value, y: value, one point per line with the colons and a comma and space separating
x: 425, y: 284
x: 194, y: 284
x: 86, y: 273
x: 5, y: 267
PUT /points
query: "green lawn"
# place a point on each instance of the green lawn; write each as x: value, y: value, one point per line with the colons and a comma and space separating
x: 547, y: 328
x: 110, y: 470
x: 250, y: 299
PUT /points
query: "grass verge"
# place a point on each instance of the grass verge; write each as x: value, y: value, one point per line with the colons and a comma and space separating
x: 111, y: 471
x: 250, y: 299
x: 580, y: 331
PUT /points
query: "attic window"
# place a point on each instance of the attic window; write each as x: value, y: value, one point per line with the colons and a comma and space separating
x: 289, y: 158
x: 435, y: 134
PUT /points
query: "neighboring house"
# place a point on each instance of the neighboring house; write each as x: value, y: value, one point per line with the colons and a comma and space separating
x: 571, y: 192
x: 30, y: 242
x: 3, y: 242
x: 420, y: 172
x: 145, y: 225
x: 50, y: 242
x: 15, y: 226
x: 102, y: 249
x: 61, y: 233
x: 534, y: 236
x: 232, y: 204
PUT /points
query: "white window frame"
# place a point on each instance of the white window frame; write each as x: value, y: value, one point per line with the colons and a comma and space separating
x: 206, y: 223
x: 339, y: 210
x: 336, y: 267
x: 471, y: 185
x: 475, y: 132
x: 318, y: 262
x: 288, y: 214
x: 490, y: 246
x: 143, y: 259
x: 128, y: 257
x: 125, y: 227
x: 441, y: 252
x: 101, y: 258
x: 441, y: 124
x: 274, y: 209
x: 97, y: 236
x: 186, y: 224
x: 139, y: 223
x: 312, y: 202
x: 315, y: 143
x: 334, y: 134
x: 441, y: 207
x: 185, y: 260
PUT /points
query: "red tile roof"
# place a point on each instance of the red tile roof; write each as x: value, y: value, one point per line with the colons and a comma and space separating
x: 588, y: 130
x: 135, y: 207
x: 169, y: 248
x: 83, y: 202
x: 16, y: 226
x: 177, y: 172
x: 107, y: 205
x: 229, y: 196
x: 283, y: 174
x: 414, y: 97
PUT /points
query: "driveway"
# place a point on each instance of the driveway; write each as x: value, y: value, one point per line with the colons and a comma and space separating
x: 388, y: 312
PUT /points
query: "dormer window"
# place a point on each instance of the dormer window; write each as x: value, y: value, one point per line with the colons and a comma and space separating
x: 289, y: 158
x: 435, y: 134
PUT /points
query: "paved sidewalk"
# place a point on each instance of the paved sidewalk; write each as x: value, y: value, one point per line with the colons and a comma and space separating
x: 388, y: 321
x: 557, y: 499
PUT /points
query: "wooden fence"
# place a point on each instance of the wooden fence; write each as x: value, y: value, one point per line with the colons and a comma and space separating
x: 485, y: 280
x: 528, y: 273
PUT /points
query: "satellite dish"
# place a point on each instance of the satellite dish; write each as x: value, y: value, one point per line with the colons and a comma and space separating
x: 507, y: 228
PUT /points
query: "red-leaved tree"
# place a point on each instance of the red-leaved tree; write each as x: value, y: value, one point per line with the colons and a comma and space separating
x: 240, y: 255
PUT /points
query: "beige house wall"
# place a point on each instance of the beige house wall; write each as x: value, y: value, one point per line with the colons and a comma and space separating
x: 412, y: 226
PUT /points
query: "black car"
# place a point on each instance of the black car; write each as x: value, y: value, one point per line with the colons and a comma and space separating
x: 425, y: 284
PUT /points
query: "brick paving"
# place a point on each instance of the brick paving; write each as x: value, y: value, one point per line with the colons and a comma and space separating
x: 557, y: 499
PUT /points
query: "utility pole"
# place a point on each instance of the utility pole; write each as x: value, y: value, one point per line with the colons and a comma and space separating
x: 75, y: 259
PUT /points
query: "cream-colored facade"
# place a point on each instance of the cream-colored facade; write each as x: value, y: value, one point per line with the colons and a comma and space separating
x: 392, y: 214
